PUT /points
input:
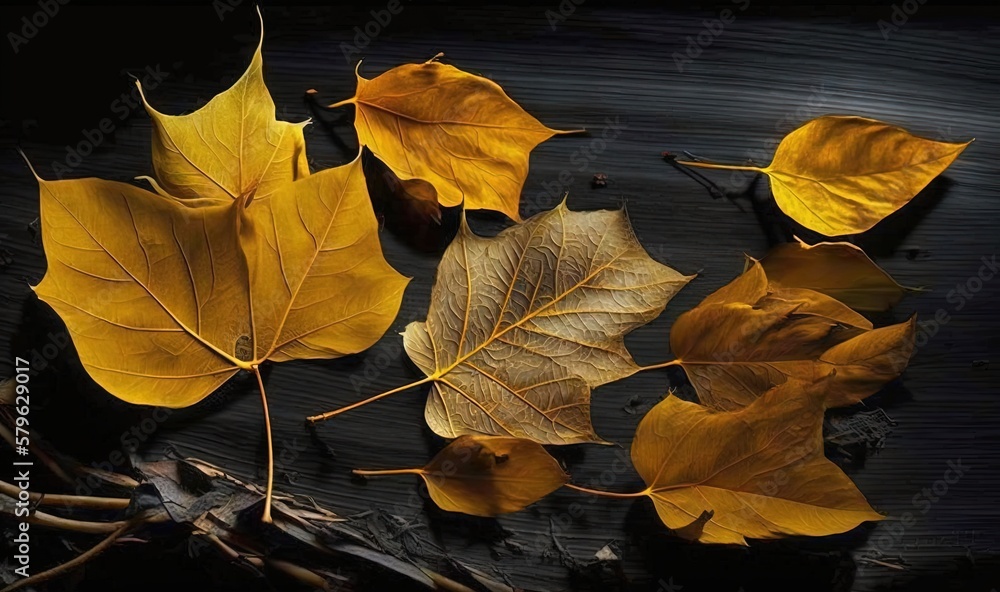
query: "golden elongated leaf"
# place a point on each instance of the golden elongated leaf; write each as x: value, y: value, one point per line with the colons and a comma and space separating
x: 839, y: 270
x: 750, y: 336
x: 842, y: 175
x: 488, y: 475
x: 230, y: 147
x: 457, y: 131
x: 522, y: 324
x: 759, y: 471
x: 165, y: 299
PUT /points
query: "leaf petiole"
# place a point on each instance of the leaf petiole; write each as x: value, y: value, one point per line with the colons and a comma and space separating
x: 642, y: 493
x: 329, y: 414
x: 658, y: 366
x: 383, y: 472
x: 727, y: 167
x: 266, y: 518
x: 341, y: 103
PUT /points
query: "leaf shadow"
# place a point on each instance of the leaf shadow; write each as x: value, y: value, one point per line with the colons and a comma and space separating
x: 65, y: 402
x: 886, y: 237
x: 409, y: 209
x: 330, y: 124
x: 76, y: 415
x: 797, y: 563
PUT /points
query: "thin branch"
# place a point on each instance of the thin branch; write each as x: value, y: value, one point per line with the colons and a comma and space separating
x: 109, y: 477
x: 50, y: 521
x: 292, y: 570
x: 72, y: 563
x: 299, y: 573
x: 67, y: 501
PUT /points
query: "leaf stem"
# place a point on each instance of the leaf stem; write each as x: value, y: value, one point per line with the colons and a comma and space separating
x: 728, y: 167
x: 329, y: 414
x: 382, y: 472
x: 341, y: 103
x: 661, y: 365
x: 266, y: 518
x: 606, y: 493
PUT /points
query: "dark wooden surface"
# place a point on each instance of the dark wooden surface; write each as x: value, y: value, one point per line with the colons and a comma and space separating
x: 765, y: 73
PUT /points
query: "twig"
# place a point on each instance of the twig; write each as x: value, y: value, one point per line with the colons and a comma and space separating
x: 69, y: 501
x: 72, y: 563
x: 292, y: 570
x: 50, y: 521
x: 307, y: 577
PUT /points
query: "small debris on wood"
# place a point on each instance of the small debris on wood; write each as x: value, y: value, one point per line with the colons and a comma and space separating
x: 913, y: 253
x: 870, y: 428
x: 606, y: 553
x: 35, y: 229
x: 637, y: 405
x: 599, y: 181
x: 875, y: 557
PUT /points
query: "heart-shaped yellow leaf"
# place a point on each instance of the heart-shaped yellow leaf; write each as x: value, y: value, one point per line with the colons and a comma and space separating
x: 522, y: 324
x: 842, y: 175
x: 487, y: 475
x: 839, y: 270
x: 458, y: 131
x: 230, y: 147
x: 759, y: 472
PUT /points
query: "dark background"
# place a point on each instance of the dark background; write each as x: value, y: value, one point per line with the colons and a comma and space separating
x: 766, y: 72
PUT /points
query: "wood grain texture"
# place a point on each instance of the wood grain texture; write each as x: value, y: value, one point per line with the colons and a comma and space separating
x: 599, y: 69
